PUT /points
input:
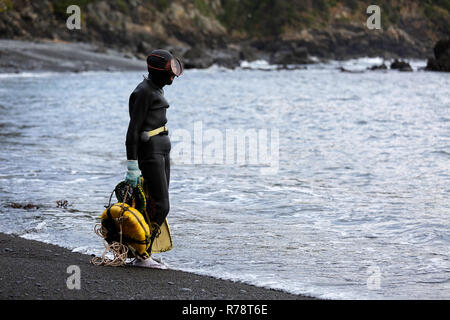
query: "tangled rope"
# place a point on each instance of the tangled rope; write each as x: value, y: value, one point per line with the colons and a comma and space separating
x: 119, y: 251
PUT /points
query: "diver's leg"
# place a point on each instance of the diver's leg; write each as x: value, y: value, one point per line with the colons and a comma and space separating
x: 155, y: 177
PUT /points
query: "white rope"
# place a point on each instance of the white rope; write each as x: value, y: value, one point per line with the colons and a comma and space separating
x: 119, y: 251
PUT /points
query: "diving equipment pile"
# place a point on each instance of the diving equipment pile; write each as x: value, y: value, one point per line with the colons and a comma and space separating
x: 127, y: 229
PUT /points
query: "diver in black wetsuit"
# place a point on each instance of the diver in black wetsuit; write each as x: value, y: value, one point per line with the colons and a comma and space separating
x: 147, y: 141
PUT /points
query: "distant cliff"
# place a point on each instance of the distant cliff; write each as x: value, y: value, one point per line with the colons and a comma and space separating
x: 204, y: 32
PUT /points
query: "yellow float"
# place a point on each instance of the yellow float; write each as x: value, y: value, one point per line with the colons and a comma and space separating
x: 124, y: 224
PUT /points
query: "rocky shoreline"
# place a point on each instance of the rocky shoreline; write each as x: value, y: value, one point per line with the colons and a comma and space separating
x: 18, y: 56
x: 208, y: 32
x: 59, y: 56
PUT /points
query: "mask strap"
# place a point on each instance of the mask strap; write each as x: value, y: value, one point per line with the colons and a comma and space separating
x: 166, y: 68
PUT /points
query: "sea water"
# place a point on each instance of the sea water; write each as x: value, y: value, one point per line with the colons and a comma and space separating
x: 358, y: 206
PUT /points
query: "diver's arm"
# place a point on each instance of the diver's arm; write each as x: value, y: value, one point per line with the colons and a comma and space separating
x: 137, y: 117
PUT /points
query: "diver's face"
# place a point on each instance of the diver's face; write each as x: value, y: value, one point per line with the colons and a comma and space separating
x: 162, y: 78
x: 169, y: 79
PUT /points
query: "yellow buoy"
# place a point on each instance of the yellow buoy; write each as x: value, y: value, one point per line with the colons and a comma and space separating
x: 122, y: 223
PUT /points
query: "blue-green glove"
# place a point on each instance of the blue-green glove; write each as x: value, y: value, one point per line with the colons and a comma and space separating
x: 133, y: 173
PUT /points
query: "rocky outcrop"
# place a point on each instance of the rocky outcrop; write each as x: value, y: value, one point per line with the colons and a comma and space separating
x: 378, y: 67
x: 441, y: 60
x: 134, y: 27
x: 290, y: 54
x: 401, y: 66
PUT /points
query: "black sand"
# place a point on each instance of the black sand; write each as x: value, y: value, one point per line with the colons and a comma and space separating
x: 33, y: 270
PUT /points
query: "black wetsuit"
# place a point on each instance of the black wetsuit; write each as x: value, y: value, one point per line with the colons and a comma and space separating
x: 147, y: 107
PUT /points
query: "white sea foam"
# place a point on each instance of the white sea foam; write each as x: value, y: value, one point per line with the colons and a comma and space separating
x: 257, y: 65
x: 28, y: 75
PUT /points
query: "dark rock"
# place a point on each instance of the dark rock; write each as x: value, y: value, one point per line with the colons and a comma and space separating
x: 30, y: 206
x: 248, y: 53
x: 144, y: 47
x: 378, y: 67
x: 401, y: 66
x: 15, y: 205
x: 291, y: 67
x: 432, y: 65
x: 441, y: 49
x: 441, y: 60
x: 227, y: 58
x: 26, y: 206
x: 197, y: 58
x: 201, y: 58
x: 287, y: 56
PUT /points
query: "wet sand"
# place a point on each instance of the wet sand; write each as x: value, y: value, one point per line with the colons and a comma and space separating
x: 44, y: 56
x: 33, y: 270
